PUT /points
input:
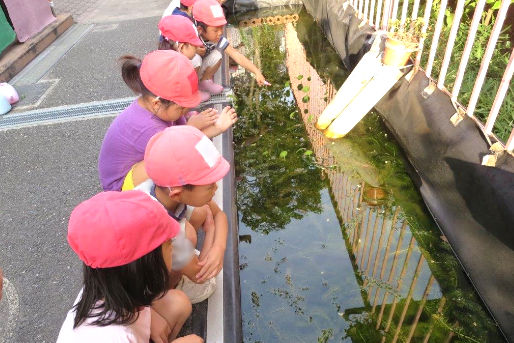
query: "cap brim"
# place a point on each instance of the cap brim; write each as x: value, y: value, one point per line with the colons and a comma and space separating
x: 196, y: 42
x: 191, y: 101
x: 215, y: 175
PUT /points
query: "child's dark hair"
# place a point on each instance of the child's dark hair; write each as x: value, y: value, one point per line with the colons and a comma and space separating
x: 166, y: 44
x: 122, y: 290
x: 201, y: 24
x: 183, y: 7
x: 130, y: 66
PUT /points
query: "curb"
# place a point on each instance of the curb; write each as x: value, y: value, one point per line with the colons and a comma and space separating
x: 20, y: 54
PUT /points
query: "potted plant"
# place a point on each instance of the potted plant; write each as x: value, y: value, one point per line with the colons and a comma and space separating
x: 402, y: 40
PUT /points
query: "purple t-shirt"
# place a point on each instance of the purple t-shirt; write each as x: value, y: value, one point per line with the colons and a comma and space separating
x: 125, y: 142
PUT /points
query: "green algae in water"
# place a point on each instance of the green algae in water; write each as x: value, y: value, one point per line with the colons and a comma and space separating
x: 300, y: 278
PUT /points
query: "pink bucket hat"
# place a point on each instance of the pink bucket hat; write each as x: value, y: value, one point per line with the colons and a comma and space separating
x: 179, y: 29
x: 170, y: 75
x: 209, y: 12
x: 182, y: 155
x: 187, y: 2
x: 116, y: 228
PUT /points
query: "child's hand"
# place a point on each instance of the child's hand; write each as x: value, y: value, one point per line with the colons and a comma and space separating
x: 200, y: 50
x: 188, y: 339
x: 261, y: 81
x: 211, y: 264
x: 203, y: 119
x: 227, y: 118
x: 159, y: 328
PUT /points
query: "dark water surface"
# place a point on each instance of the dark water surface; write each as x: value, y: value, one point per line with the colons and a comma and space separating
x: 335, y: 241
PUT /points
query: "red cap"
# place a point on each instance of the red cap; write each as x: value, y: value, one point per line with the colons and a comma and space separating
x: 182, y: 155
x: 116, y: 228
x: 187, y: 2
x: 170, y: 75
x: 179, y: 29
x: 209, y: 12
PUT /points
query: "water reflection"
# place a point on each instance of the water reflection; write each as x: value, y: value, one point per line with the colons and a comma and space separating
x: 396, y: 280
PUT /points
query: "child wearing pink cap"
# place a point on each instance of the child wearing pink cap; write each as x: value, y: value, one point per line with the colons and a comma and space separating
x: 183, y: 166
x: 210, y: 21
x: 180, y: 34
x: 124, y: 240
x: 168, y: 88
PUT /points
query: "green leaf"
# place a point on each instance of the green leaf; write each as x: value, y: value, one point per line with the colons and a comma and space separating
x: 496, y: 5
x: 287, y: 84
x: 283, y: 154
x: 307, y: 152
x: 306, y: 99
x: 300, y: 87
x: 299, y: 77
x: 306, y: 89
x: 309, y: 78
x: 311, y: 118
x: 292, y: 115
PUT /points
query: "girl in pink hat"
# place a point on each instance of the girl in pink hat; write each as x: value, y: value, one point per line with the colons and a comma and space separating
x: 124, y: 242
x: 180, y: 34
x: 168, y: 88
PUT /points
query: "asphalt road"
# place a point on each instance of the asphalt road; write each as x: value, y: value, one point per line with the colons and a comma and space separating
x: 46, y: 170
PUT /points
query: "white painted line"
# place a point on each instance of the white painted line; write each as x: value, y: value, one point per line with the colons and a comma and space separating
x: 215, y: 315
x: 13, y: 303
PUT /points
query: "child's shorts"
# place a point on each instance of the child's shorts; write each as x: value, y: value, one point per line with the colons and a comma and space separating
x: 128, y: 182
x: 208, y: 61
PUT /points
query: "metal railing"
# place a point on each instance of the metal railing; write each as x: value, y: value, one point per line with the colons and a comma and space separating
x: 378, y: 13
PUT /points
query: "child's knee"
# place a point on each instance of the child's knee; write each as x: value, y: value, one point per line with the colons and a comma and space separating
x: 179, y: 303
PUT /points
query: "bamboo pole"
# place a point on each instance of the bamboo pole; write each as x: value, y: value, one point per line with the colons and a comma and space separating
x: 399, y: 283
x: 420, y: 309
x: 439, y: 311
x: 409, y: 297
x: 391, y: 275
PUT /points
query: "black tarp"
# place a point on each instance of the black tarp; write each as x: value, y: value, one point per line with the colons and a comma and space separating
x: 472, y: 204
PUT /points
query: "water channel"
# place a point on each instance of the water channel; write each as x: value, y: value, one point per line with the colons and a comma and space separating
x: 336, y: 244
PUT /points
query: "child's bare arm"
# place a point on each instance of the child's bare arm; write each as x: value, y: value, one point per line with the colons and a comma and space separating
x: 244, y: 62
x: 212, y: 261
x: 226, y: 119
x: 188, y: 339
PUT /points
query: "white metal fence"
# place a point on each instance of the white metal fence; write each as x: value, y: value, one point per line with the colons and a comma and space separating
x: 378, y: 14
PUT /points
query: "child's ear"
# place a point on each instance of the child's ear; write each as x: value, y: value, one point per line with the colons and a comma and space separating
x: 175, y: 193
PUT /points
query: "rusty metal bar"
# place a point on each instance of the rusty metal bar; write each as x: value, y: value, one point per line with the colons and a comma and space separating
x: 450, y: 43
x: 439, y: 311
x: 435, y: 37
x: 510, y: 142
x: 399, y: 283
x: 477, y: 16
x: 500, y: 18
x: 500, y: 95
x: 420, y: 308
x: 366, y: 9
x: 426, y: 19
x: 386, y: 12
x: 379, y: 12
x: 386, y: 253
x: 404, y: 11
x: 372, y: 12
x: 365, y: 243
x: 375, y: 226
x: 391, y: 274
x: 379, y: 247
x: 394, y: 12
x: 408, y: 299
x: 415, y: 9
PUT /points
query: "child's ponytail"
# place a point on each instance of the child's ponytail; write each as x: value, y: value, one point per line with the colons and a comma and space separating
x: 130, y: 72
x: 166, y: 44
